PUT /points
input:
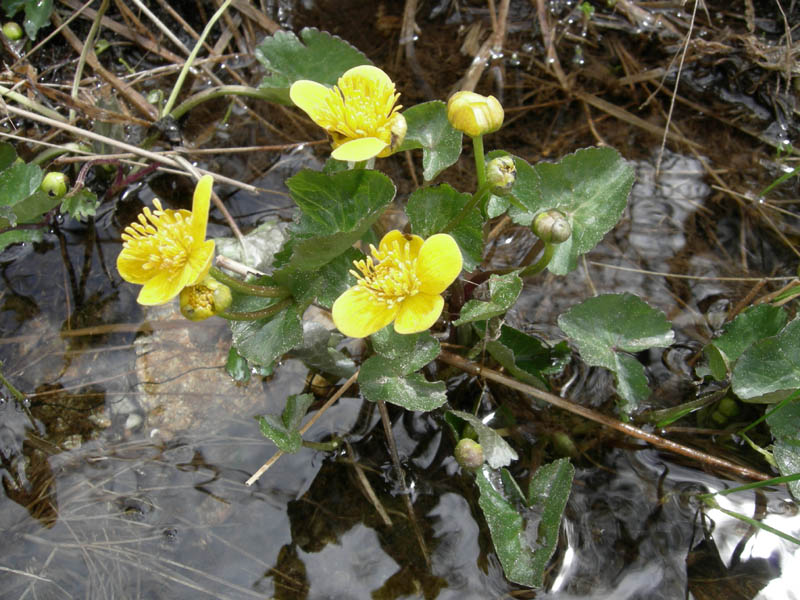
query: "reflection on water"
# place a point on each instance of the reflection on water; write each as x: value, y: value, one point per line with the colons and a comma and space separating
x: 125, y: 477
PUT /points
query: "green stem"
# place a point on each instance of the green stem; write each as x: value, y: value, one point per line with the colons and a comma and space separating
x: 540, y: 264
x: 250, y: 289
x: 31, y: 104
x: 477, y: 198
x: 176, y: 89
x: 766, y: 415
x: 753, y: 522
x: 255, y: 315
x: 219, y: 91
x: 14, y: 391
x: 480, y: 160
x: 750, y: 486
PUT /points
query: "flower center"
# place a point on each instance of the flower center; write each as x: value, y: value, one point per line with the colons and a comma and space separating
x: 358, y: 107
x: 391, y: 279
x: 161, y: 240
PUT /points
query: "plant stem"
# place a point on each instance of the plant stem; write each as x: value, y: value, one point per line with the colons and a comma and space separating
x: 540, y: 264
x: 88, y: 46
x: 659, y: 442
x: 250, y: 289
x: 477, y: 198
x: 176, y: 89
x: 480, y: 160
x: 751, y: 521
x: 14, y: 391
x: 256, y: 314
x: 211, y: 94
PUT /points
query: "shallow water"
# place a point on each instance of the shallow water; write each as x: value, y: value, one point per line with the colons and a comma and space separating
x: 128, y: 480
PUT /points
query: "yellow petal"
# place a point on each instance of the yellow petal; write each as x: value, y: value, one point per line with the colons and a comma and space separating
x: 373, y: 74
x: 199, y: 262
x: 356, y: 314
x: 418, y: 313
x: 398, y: 236
x: 438, y: 264
x: 359, y: 149
x: 200, y: 205
x: 162, y: 288
x: 130, y: 268
x: 310, y: 97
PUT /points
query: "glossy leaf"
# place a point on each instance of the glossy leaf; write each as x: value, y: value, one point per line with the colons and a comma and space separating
x: 19, y: 236
x: 258, y: 247
x: 236, y: 366
x: 81, y: 204
x: 429, y: 129
x: 430, y: 209
x: 503, y: 292
x: 755, y: 323
x: 527, y: 358
x: 318, y: 351
x: 315, y: 55
x: 282, y: 430
x: 37, y: 15
x: 525, y: 541
x: 18, y: 182
x: 7, y: 155
x: 496, y: 450
x: 336, y: 211
x: 378, y: 381
x: 264, y: 341
x: 605, y: 327
x: 769, y: 365
x: 323, y: 285
x: 784, y: 423
x: 590, y: 187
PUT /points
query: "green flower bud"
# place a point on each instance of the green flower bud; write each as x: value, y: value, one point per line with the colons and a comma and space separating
x: 469, y: 454
x: 474, y: 114
x: 728, y: 407
x: 55, y: 184
x: 552, y: 227
x: 501, y: 173
x: 12, y: 31
x: 204, y: 300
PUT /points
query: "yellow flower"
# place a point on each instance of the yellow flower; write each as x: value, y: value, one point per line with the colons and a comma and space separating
x: 474, y: 114
x: 166, y: 250
x: 360, y: 112
x: 402, y: 282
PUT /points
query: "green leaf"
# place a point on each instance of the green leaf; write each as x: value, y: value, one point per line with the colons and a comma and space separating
x: 7, y: 155
x: 527, y: 358
x: 264, y: 341
x: 406, y: 353
x: 318, y: 351
x: 337, y: 210
x: 81, y: 204
x: 605, y: 326
x: 323, y: 285
x: 755, y: 323
x: 412, y: 392
x: 18, y: 182
x: 430, y: 209
x: 784, y: 423
x: 37, y: 15
x: 236, y: 366
x: 283, y: 430
x: 19, y: 236
x: 590, y: 187
x: 769, y: 365
x: 32, y: 208
x: 317, y: 56
x: 429, y: 129
x: 525, y: 542
x: 503, y: 292
x: 496, y: 450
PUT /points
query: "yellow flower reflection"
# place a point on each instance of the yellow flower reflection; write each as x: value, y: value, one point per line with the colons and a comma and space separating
x: 360, y: 112
x: 402, y: 282
x: 166, y: 250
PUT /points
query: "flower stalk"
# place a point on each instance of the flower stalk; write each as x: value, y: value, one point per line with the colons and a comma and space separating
x: 255, y: 315
x: 249, y: 289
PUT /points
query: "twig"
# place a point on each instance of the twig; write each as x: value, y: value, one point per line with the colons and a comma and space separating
x: 367, y: 488
x: 274, y: 458
x: 659, y: 442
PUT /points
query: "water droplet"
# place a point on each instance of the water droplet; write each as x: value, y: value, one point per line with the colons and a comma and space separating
x: 550, y: 60
x: 26, y: 402
x: 527, y: 47
x: 514, y: 60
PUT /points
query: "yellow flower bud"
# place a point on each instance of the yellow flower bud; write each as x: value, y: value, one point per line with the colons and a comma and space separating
x: 501, y: 173
x: 474, y: 114
x: 552, y: 227
x: 204, y: 300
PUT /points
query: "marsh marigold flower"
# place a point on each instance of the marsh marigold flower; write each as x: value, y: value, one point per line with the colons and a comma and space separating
x: 402, y: 281
x: 166, y: 250
x: 474, y: 114
x: 360, y: 112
